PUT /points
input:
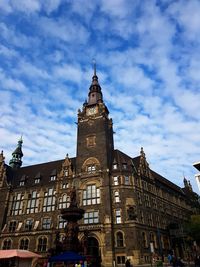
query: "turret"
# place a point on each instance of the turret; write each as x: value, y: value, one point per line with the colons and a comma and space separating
x: 17, y: 155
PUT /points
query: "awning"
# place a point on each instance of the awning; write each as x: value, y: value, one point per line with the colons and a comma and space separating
x: 10, y: 253
x: 67, y: 256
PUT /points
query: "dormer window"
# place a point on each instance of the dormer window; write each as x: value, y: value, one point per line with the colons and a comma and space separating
x: 21, y: 183
x: 22, y: 180
x: 52, y: 177
x: 66, y: 173
x: 114, y: 166
x: 37, y: 178
x: 124, y: 166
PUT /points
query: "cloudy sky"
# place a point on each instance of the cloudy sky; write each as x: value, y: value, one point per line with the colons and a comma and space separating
x: 148, y: 64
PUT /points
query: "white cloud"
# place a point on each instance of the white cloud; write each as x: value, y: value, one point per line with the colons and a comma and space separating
x: 64, y: 29
x: 27, y: 6
x: 8, y: 83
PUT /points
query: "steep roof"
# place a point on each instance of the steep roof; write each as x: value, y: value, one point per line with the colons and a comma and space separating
x: 42, y: 170
x: 120, y: 157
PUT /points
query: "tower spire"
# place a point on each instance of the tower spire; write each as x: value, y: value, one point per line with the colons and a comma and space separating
x: 95, y: 94
x: 17, y: 155
x: 94, y: 66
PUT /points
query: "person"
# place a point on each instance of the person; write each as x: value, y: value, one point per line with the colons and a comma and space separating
x: 197, y: 261
x: 169, y: 258
x: 128, y: 264
x: 179, y: 263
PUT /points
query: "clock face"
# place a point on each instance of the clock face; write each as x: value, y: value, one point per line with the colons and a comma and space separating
x: 91, y: 111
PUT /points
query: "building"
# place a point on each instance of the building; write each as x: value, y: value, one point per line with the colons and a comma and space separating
x: 130, y: 210
x: 197, y: 176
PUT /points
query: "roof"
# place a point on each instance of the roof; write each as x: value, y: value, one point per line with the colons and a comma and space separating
x: 47, y: 169
x: 197, y: 165
x: 159, y: 179
x: 42, y: 171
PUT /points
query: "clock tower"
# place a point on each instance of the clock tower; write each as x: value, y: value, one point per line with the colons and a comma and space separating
x: 95, y: 132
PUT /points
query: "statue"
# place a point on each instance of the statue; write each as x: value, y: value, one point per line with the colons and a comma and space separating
x: 131, y: 213
x: 73, y: 202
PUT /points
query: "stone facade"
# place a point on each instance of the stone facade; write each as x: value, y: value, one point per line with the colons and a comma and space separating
x: 130, y: 210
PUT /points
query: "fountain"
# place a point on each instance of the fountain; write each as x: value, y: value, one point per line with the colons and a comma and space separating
x: 72, y: 215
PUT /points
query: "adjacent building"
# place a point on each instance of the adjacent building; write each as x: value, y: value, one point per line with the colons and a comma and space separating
x: 130, y: 210
x: 197, y: 176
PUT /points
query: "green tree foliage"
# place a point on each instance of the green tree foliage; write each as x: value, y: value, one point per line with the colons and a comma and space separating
x: 192, y: 228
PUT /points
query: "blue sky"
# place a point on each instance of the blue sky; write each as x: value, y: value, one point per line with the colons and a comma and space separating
x: 148, y: 64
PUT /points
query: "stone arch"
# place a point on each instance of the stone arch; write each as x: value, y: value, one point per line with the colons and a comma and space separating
x: 91, y: 165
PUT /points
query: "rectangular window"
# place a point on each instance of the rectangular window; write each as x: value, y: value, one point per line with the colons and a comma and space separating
x: 91, y: 217
x: 17, y: 203
x: 65, y: 185
x: 126, y: 180
x: 141, y: 218
x: 29, y: 225
x: 114, y: 166
x: 12, y: 226
x: 66, y: 173
x: 116, y: 180
x: 154, y: 203
x: 139, y: 198
x: 147, y: 202
x: 118, y: 216
x: 117, y: 199
x: 64, y: 201
x: 49, y: 200
x: 91, y: 195
x: 61, y: 223
x: 46, y: 223
x: 33, y: 201
x: 120, y: 259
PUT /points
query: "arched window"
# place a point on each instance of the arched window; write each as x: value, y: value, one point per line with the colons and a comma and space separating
x: 6, y: 244
x: 42, y: 244
x: 119, y: 239
x: 24, y: 243
x: 64, y: 201
x: 91, y: 165
x: 144, y: 240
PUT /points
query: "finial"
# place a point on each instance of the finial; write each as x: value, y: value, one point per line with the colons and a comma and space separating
x: 94, y: 66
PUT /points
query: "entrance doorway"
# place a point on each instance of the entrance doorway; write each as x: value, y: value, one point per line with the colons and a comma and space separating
x: 94, y: 252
